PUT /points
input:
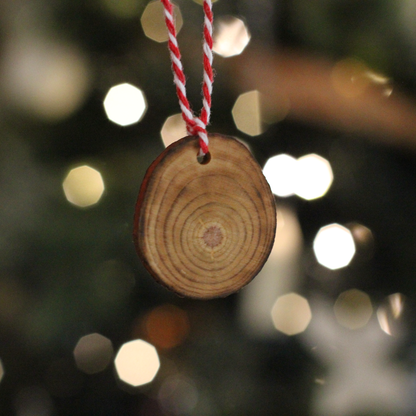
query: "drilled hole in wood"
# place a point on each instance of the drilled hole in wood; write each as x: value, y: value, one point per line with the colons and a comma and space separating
x: 204, y: 159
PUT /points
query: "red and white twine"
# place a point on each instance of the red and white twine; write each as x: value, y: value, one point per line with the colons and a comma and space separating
x: 195, y: 126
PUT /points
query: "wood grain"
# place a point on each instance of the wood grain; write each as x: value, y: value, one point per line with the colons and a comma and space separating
x: 204, y: 231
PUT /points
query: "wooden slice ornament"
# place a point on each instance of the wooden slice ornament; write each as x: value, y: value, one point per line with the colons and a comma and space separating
x: 204, y: 230
x: 205, y: 218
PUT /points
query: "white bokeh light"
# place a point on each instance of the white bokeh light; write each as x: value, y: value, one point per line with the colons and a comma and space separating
x: 314, y: 177
x: 173, y: 129
x: 231, y: 36
x: 137, y: 363
x: 334, y: 246
x: 280, y: 172
x: 125, y: 104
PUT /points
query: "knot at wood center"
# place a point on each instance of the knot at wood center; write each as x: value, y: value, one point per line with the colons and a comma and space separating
x: 212, y: 236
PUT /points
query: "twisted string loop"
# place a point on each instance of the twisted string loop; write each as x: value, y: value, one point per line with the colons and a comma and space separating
x: 195, y: 126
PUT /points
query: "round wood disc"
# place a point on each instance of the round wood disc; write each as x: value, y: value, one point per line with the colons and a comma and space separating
x: 204, y: 230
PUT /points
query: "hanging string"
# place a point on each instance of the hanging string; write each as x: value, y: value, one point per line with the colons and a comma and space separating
x: 195, y: 126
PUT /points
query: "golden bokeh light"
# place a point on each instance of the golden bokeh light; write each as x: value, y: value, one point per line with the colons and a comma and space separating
x: 380, y: 80
x: 352, y: 78
x: 288, y: 240
x: 45, y: 78
x: 334, y: 246
x: 349, y: 78
x: 247, y: 114
x: 166, y: 326
x: 173, y: 129
x: 93, y: 353
x: 231, y: 36
x: 377, y: 78
x: 353, y: 309
x: 125, y: 104
x: 280, y: 172
x: 153, y: 21
x: 388, y: 91
x: 314, y: 177
x: 291, y: 314
x: 137, y: 363
x: 390, y: 313
x: 83, y: 186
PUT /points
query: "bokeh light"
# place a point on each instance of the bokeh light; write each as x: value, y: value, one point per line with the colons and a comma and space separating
x: 279, y: 275
x: 377, y: 78
x: 349, y: 78
x: 314, y: 176
x: 309, y: 177
x: 353, y: 309
x: 380, y: 80
x: 334, y: 246
x: 137, y: 363
x: 153, y: 21
x: 173, y: 129
x: 47, y: 79
x: 291, y: 314
x: 247, y: 113
x: 178, y: 395
x: 72, y: 289
x: 288, y: 239
x: 83, y: 186
x: 167, y: 326
x: 125, y: 104
x: 231, y: 36
x: 363, y: 239
x: 280, y: 173
x: 93, y: 353
x: 390, y: 314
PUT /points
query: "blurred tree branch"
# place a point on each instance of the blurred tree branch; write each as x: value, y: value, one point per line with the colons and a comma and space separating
x: 316, y: 90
